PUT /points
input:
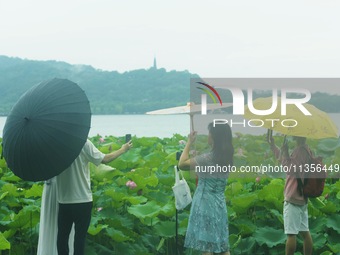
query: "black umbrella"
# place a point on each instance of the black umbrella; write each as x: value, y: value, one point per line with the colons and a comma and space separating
x: 46, y: 129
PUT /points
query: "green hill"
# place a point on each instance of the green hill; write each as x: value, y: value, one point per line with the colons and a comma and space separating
x: 109, y: 92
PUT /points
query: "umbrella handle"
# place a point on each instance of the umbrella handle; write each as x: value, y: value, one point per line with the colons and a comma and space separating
x: 285, y: 140
x: 192, y: 122
x: 269, y: 135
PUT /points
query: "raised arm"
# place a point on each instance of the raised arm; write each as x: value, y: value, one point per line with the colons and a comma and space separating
x: 185, y: 163
x: 115, y: 154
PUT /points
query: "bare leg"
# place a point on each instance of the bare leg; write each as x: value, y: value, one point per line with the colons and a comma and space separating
x: 290, y: 244
x: 307, y: 243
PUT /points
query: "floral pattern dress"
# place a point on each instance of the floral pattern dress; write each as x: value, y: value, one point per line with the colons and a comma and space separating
x: 208, y: 221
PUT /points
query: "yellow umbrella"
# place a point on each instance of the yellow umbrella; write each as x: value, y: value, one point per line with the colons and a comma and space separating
x: 318, y: 125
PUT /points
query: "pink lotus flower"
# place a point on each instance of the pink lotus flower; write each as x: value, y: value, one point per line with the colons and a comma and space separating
x: 99, y: 209
x: 258, y: 179
x: 101, y: 140
x: 133, y: 170
x: 131, y: 184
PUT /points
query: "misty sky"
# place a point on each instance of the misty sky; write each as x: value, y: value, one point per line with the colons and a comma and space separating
x: 261, y: 38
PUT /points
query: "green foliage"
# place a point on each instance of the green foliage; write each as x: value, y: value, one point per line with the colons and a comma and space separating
x: 135, y: 91
x: 142, y: 220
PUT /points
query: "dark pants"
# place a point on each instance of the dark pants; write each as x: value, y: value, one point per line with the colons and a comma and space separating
x: 80, y: 215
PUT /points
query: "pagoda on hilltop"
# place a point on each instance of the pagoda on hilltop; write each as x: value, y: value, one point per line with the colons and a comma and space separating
x: 154, y: 63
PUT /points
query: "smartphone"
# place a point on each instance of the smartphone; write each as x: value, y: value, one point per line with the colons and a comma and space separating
x: 127, y: 137
x: 178, y: 155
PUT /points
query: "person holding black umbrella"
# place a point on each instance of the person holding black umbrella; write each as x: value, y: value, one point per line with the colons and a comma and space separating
x: 75, y: 196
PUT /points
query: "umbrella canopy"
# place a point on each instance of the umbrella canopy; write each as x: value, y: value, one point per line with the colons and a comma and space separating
x: 189, y: 108
x: 46, y: 129
x: 316, y: 126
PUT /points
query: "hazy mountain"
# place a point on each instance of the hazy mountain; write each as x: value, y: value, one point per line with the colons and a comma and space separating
x: 135, y: 91
x: 110, y: 92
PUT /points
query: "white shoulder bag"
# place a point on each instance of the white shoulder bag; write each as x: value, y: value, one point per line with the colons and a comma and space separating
x: 181, y: 191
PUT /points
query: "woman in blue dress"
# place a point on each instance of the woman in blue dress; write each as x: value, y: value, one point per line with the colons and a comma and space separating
x: 208, y: 221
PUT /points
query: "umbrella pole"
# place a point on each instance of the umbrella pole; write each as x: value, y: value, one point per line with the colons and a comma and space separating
x: 176, y: 239
x: 176, y: 232
x: 192, y: 122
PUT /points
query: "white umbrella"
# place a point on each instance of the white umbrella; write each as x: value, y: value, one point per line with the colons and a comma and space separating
x: 189, y: 108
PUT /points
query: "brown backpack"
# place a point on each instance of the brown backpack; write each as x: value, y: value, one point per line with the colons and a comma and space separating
x: 314, y: 179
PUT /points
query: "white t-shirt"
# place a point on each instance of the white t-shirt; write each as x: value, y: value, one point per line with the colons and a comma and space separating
x: 74, y: 184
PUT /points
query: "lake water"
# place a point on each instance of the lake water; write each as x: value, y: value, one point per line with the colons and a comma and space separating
x: 159, y: 125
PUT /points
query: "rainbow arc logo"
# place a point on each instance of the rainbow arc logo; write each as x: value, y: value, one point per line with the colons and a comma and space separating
x: 210, y: 90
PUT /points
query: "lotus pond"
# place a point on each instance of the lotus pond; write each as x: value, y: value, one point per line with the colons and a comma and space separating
x: 134, y: 212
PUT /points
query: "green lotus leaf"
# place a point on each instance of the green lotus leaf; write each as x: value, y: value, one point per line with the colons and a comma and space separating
x: 134, y: 200
x: 146, y: 142
x: 327, y: 253
x: 20, y: 220
x: 3, y: 195
x: 319, y: 240
x: 272, y: 194
x: 168, y: 209
x: 317, y: 225
x: 278, y: 215
x: 328, y: 145
x: 166, y: 229
x: 243, y: 202
x: 11, y: 189
x: 10, y: 177
x: 94, y: 230
x: 160, y: 245
x: 35, y: 191
x: 166, y: 179
x: 183, y: 224
x: 149, y: 210
x: 150, y: 221
x: 142, y: 181
x: 234, y: 189
x: 245, y: 226
x: 115, y: 195
x: 117, y: 235
x: 154, y: 159
x: 133, y: 156
x: 245, y: 246
x: 333, y: 221
x: 4, y: 244
x: 334, y: 247
x: 234, y: 240
x: 119, y: 164
x: 161, y: 196
x: 329, y: 208
x: 269, y: 236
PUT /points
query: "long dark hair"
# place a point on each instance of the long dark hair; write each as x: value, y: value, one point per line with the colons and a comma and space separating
x: 222, y: 149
